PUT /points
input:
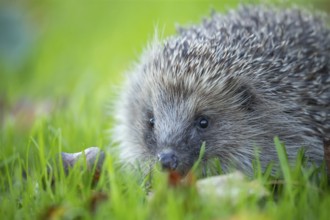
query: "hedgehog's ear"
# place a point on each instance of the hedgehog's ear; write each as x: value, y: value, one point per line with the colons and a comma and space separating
x: 243, y: 93
x: 246, y: 97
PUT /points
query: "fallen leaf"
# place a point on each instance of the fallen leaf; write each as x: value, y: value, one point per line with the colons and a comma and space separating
x: 53, y: 212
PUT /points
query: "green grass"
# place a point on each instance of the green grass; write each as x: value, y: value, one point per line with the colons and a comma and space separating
x: 54, y: 94
x: 302, y: 193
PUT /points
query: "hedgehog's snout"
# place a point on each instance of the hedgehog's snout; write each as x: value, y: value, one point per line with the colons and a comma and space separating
x: 168, y: 160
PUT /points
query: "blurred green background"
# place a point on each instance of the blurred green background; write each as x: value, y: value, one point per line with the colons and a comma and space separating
x: 61, y: 62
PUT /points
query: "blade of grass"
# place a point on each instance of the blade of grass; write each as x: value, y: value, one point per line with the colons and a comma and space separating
x: 284, y: 164
x: 200, y: 157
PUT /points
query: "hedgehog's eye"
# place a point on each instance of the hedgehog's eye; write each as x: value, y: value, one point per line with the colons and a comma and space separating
x: 203, y: 122
x: 152, y: 122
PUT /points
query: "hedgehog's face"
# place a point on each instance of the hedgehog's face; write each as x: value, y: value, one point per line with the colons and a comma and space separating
x: 173, y: 134
x: 176, y: 118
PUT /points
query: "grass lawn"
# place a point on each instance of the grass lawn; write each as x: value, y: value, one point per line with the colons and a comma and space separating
x: 60, y: 65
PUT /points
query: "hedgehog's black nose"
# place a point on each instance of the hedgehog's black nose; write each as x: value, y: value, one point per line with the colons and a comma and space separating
x: 168, y: 160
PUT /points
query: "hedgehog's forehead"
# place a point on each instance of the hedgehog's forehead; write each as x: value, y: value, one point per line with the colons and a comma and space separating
x: 174, y: 82
x: 182, y: 91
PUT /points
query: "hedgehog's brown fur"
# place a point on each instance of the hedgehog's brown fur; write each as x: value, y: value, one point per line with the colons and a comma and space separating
x: 253, y: 73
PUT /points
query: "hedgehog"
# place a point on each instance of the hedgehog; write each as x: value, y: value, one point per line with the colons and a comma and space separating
x: 231, y: 83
